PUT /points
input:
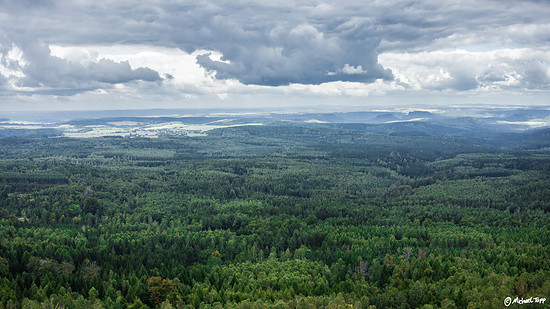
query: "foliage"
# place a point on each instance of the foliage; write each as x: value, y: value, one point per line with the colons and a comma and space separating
x: 271, y: 217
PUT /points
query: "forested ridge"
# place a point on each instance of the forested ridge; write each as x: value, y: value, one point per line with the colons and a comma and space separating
x: 276, y: 216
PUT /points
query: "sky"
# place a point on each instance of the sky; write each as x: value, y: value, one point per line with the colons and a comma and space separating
x: 93, y: 55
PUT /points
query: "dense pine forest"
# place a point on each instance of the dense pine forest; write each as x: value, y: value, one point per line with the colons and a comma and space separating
x: 276, y: 216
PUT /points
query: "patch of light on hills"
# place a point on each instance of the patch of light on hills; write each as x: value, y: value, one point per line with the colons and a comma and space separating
x: 407, y: 120
x: 534, y: 123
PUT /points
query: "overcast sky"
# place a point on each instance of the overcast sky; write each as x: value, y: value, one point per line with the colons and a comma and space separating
x: 63, y: 55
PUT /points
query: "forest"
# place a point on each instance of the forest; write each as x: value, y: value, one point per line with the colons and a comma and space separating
x: 275, y: 216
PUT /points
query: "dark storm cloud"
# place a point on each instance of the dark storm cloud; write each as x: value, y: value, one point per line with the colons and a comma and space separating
x: 275, y: 43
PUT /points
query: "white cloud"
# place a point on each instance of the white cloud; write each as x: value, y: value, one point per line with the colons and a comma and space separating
x: 30, y: 67
x: 462, y: 70
x: 349, y: 69
x: 75, y: 54
x: 12, y: 64
x: 177, y: 66
x: 353, y: 89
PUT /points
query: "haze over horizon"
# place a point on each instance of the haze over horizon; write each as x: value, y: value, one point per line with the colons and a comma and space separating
x: 118, y: 55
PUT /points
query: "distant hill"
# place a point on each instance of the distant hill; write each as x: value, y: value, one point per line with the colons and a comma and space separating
x: 420, y: 114
x: 104, y: 121
x: 458, y: 126
x: 385, y: 117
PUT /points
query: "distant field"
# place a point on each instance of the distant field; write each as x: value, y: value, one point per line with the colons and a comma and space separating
x: 126, y: 128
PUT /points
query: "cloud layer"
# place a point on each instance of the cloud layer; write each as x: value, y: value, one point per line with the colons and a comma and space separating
x: 224, y: 47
